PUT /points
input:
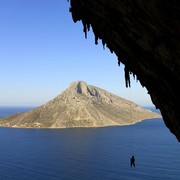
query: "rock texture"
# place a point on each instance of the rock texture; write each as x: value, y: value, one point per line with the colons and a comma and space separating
x: 81, y: 105
x: 145, y: 36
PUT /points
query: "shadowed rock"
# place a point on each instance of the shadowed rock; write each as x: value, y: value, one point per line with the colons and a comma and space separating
x: 145, y: 36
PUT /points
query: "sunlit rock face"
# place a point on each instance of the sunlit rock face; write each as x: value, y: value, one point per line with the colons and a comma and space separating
x: 145, y: 36
x: 81, y: 105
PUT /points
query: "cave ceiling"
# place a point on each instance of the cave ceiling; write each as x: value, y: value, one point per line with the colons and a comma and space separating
x: 145, y: 36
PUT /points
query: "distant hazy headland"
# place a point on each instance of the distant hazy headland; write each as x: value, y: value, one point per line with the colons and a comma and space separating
x: 81, y: 105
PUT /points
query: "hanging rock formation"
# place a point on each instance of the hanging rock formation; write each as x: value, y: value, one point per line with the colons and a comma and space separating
x: 145, y: 36
x: 81, y: 105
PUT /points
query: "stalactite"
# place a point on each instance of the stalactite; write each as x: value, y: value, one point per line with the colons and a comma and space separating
x: 84, y: 28
x: 111, y: 50
x: 127, y: 76
x: 96, y: 39
x: 88, y: 26
x: 103, y: 43
x: 119, y: 62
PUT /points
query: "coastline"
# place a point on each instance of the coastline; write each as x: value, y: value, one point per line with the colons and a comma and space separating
x: 86, y: 127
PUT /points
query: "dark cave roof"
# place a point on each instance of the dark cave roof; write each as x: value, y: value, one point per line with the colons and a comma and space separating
x: 145, y: 36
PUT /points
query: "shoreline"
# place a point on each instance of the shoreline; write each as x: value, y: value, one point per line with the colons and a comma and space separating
x: 54, y: 128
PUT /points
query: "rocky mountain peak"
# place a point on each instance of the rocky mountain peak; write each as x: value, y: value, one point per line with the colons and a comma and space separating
x: 81, y: 87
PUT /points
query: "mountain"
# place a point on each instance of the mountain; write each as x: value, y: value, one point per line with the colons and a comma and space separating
x: 81, y: 105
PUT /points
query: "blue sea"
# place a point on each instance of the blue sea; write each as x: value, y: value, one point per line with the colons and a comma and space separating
x: 89, y: 153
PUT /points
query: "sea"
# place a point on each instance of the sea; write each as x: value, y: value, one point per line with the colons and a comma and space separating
x: 89, y: 153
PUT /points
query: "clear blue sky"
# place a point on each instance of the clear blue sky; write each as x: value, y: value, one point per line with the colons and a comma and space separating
x: 42, y: 51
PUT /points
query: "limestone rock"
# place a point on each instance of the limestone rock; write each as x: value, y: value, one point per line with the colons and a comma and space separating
x: 81, y: 105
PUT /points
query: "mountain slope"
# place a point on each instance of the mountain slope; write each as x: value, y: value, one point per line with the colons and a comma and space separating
x: 81, y: 105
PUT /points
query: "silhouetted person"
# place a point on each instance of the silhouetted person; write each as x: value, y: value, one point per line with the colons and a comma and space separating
x: 132, y: 161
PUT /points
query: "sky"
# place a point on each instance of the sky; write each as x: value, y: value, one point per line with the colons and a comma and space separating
x: 42, y: 51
